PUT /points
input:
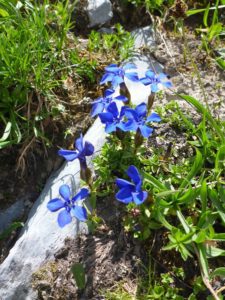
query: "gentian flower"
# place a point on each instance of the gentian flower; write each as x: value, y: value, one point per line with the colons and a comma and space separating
x: 155, y: 80
x: 131, y: 191
x: 115, y: 74
x: 112, y: 118
x: 103, y: 102
x: 137, y: 119
x: 69, y: 206
x: 82, y: 151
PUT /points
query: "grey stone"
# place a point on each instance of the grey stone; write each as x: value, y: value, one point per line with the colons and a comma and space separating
x: 99, y: 12
x: 11, y: 214
x: 41, y: 237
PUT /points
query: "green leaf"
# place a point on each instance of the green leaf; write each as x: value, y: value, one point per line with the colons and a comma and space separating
x: 214, y: 31
x: 218, y: 272
x: 79, y: 275
x: 3, y: 13
x: 203, y: 259
x: 203, y: 195
x: 220, y: 159
x: 214, y: 252
x: 221, y: 63
x: 183, y: 222
x: 201, y: 109
x: 197, y: 165
x: 155, y: 182
x: 219, y: 237
x: 205, y: 17
x: 10, y: 229
x: 6, y: 132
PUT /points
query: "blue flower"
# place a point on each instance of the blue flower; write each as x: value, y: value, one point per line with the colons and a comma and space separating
x: 69, y: 206
x: 137, y: 119
x: 131, y: 191
x: 103, y: 102
x: 82, y: 151
x: 112, y: 118
x: 115, y: 74
x: 155, y: 80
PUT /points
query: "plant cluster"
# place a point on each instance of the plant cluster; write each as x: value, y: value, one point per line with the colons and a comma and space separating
x: 186, y: 200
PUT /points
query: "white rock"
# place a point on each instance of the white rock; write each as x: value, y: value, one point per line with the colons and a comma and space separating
x: 99, y: 12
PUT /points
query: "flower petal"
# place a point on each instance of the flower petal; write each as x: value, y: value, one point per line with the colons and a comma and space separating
x: 97, y: 108
x: 121, y: 183
x: 112, y: 68
x: 112, y: 108
x: 145, y: 130
x: 88, y: 149
x: 109, y: 92
x: 64, y: 191
x: 110, y: 127
x: 146, y: 81
x: 150, y: 74
x: 82, y: 194
x: 124, y: 195
x: 55, y: 204
x: 117, y: 80
x: 167, y: 84
x: 106, y: 117
x: 69, y: 155
x: 64, y: 218
x: 129, y: 66
x: 141, y: 110
x: 133, y: 76
x: 154, y: 117
x: 79, y: 143
x: 80, y: 213
x: 130, y: 113
x: 133, y: 173
x: 154, y: 88
x: 140, y: 197
x: 106, y: 78
x: 121, y: 98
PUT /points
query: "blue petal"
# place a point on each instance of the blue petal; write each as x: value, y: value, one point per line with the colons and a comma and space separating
x: 117, y: 80
x: 97, y: 108
x: 110, y: 127
x: 130, y: 113
x: 109, y: 92
x: 167, y: 84
x: 69, y: 155
x: 129, y: 66
x: 133, y: 173
x: 106, y: 117
x: 150, y: 74
x: 55, y: 204
x: 124, y: 195
x: 88, y: 149
x: 98, y: 100
x: 145, y: 130
x: 112, y: 108
x: 112, y: 68
x: 121, y: 183
x: 106, y: 78
x: 128, y: 126
x: 141, y: 110
x: 154, y: 88
x: 121, y: 98
x: 82, y: 194
x: 162, y: 76
x: 146, y: 81
x: 132, y: 76
x: 80, y: 213
x: 64, y: 218
x: 79, y: 143
x: 64, y: 191
x: 154, y: 117
x: 140, y: 197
